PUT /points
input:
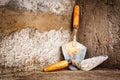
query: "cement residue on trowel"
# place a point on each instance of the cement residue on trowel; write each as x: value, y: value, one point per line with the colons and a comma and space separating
x: 73, y: 48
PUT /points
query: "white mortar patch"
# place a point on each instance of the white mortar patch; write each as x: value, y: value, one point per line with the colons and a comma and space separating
x: 29, y: 47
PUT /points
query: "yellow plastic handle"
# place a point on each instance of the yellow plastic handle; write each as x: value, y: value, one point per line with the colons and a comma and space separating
x: 76, y: 16
x: 57, y: 66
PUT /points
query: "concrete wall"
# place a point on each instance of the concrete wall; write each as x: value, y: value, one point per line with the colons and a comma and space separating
x: 100, y: 29
x: 32, y: 31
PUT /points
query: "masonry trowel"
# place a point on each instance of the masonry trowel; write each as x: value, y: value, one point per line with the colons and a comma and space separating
x: 72, y: 51
x: 85, y: 65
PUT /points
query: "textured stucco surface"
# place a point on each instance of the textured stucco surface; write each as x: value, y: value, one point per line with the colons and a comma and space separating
x: 30, y: 49
x: 32, y: 32
x: 99, y: 27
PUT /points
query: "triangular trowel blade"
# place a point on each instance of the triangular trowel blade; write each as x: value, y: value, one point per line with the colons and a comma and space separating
x: 78, y: 57
x: 91, y: 63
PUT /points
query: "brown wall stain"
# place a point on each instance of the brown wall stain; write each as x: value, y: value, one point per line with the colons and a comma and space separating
x: 14, y: 21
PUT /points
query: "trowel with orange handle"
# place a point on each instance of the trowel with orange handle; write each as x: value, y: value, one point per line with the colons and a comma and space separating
x: 72, y: 51
x: 86, y: 65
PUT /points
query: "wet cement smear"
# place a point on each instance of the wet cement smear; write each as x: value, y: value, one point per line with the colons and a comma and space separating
x: 54, y: 6
x: 30, y: 49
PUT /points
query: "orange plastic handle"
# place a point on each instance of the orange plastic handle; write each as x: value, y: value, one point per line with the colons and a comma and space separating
x: 76, y: 16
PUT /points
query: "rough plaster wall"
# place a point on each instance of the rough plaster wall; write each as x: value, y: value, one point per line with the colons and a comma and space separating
x: 33, y: 48
x: 114, y: 28
x: 54, y: 6
x: 30, y: 49
x: 100, y: 29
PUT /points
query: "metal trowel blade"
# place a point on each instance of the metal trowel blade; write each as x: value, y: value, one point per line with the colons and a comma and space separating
x: 78, y: 56
x: 93, y: 62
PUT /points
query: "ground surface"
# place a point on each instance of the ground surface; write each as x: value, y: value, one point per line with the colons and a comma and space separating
x: 65, y: 75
